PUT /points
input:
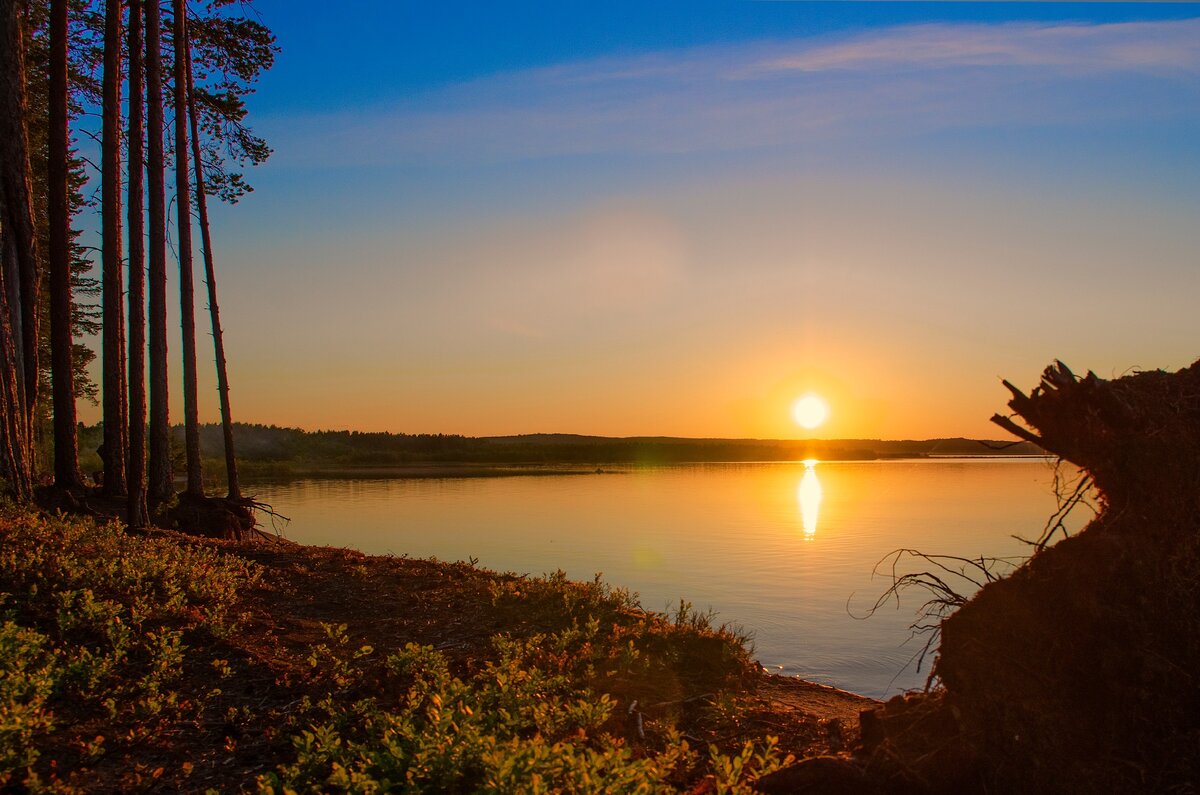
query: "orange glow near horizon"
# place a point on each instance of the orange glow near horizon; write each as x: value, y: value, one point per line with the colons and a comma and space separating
x: 751, y: 397
x: 746, y: 386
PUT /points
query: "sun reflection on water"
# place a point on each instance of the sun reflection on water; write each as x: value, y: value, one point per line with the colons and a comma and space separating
x: 808, y: 494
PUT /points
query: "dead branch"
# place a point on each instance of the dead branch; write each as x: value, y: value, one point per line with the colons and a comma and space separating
x: 1016, y: 430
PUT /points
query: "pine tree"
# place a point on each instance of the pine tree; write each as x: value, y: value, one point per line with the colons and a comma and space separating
x: 159, y: 487
x: 214, y: 310
x: 113, y: 343
x: 18, y: 263
x: 136, y: 512
x: 187, y: 300
x: 62, y: 344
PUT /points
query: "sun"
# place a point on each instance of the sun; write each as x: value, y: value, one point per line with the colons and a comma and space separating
x: 810, y: 411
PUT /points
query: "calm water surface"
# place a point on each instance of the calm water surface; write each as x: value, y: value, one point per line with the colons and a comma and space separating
x: 783, y: 549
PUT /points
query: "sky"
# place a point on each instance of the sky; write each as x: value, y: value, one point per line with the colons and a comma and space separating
x: 675, y: 218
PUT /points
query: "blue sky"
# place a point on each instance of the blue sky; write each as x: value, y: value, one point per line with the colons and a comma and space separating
x: 365, y: 50
x: 673, y: 218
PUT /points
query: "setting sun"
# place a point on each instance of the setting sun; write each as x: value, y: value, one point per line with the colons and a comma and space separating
x: 810, y: 411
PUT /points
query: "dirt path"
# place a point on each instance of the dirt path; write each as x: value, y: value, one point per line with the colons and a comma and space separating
x: 820, y: 701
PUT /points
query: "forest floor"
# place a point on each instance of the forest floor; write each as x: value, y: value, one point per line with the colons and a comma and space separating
x: 387, y: 602
x: 169, y: 663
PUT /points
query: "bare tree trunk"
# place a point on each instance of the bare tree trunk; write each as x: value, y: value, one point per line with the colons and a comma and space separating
x: 113, y: 294
x: 17, y: 222
x: 18, y: 258
x: 66, y: 441
x: 16, y: 461
x: 136, y: 473
x: 12, y: 289
x: 187, y: 299
x: 160, y: 486
x: 30, y: 278
x: 210, y: 273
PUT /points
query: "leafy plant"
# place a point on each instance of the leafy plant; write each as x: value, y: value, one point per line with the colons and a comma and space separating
x: 523, y: 723
x: 96, y: 623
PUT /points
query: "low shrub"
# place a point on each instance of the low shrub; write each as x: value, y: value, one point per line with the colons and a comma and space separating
x: 94, y: 623
x: 523, y: 723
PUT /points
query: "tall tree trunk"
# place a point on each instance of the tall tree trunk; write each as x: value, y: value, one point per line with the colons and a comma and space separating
x: 160, y: 486
x: 16, y: 460
x: 113, y: 294
x: 187, y: 300
x: 18, y: 221
x: 12, y: 289
x: 30, y: 276
x: 136, y: 473
x: 18, y: 259
x: 66, y: 440
x: 210, y: 274
x: 16, y: 450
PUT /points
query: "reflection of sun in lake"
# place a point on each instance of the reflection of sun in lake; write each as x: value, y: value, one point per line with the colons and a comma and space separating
x: 810, y: 411
x: 808, y: 494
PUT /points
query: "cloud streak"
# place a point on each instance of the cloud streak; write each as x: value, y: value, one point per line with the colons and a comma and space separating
x: 1171, y: 46
x: 899, y: 82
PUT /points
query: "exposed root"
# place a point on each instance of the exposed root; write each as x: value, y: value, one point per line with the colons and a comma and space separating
x: 278, y: 520
x: 1080, y: 488
x: 213, y: 517
x: 951, y: 572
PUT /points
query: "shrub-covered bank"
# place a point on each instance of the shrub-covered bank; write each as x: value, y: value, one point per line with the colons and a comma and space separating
x: 171, y: 663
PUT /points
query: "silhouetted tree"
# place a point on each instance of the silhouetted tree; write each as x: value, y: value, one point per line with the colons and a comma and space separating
x: 58, y: 178
x: 83, y: 57
x: 159, y: 487
x: 62, y: 344
x: 214, y: 310
x: 18, y: 262
x: 136, y: 512
x: 113, y: 347
x: 229, y: 53
x: 41, y: 188
x: 187, y: 300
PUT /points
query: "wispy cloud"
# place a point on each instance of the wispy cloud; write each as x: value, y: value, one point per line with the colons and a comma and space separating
x: 1112, y: 47
x: 895, y: 82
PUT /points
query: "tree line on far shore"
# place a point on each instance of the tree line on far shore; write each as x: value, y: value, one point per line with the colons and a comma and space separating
x: 269, y: 451
x: 169, y: 80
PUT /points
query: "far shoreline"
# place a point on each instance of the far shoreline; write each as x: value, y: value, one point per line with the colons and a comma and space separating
x: 479, y: 470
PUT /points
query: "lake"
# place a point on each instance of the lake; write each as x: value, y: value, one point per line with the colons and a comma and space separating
x: 786, y: 550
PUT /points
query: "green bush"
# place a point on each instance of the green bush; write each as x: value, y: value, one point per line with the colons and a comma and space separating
x: 632, y: 653
x: 95, y: 622
x: 27, y: 678
x: 523, y: 723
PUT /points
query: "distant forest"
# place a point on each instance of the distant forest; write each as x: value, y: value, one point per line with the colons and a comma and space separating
x: 267, y: 449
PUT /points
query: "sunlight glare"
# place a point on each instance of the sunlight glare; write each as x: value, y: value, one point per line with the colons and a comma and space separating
x: 810, y: 411
x: 808, y: 494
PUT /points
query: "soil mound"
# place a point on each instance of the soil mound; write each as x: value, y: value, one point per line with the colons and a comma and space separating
x: 1078, y: 672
